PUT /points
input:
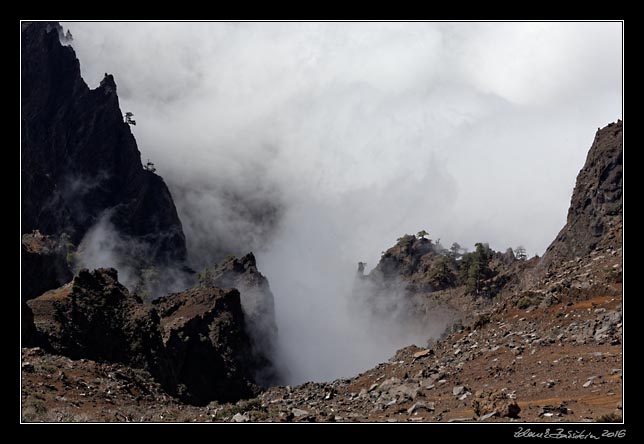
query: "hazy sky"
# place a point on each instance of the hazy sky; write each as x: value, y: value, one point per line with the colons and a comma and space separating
x: 361, y: 132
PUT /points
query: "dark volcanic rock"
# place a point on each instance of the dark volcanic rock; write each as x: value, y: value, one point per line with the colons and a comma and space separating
x: 27, y: 326
x: 95, y: 317
x: 194, y: 343
x: 203, y: 330
x: 259, y: 311
x: 595, y: 213
x: 79, y: 157
x: 44, y: 264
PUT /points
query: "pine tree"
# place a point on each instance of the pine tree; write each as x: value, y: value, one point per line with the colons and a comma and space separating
x: 128, y: 118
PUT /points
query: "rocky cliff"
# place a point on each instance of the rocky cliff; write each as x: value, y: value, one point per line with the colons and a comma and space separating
x: 595, y: 214
x: 258, y: 305
x: 79, y: 159
x: 204, y: 334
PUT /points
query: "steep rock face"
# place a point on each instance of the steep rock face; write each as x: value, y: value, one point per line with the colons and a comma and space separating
x: 95, y: 317
x: 44, y: 264
x: 203, y: 331
x: 595, y: 213
x: 258, y: 305
x: 79, y: 158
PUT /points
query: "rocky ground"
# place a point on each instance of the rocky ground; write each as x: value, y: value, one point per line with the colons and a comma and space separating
x: 559, y: 359
x: 558, y: 363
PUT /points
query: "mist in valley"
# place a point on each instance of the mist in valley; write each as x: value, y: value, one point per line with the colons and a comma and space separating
x: 317, y: 145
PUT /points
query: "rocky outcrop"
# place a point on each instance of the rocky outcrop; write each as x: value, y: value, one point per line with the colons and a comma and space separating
x: 426, y: 266
x: 259, y: 311
x: 405, y: 259
x: 203, y: 331
x: 95, y: 317
x: 595, y: 213
x: 80, y: 161
x: 417, y: 278
x: 45, y: 264
x: 193, y: 343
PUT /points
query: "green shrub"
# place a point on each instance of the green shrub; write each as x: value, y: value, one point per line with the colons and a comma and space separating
x: 442, y: 273
x: 524, y: 302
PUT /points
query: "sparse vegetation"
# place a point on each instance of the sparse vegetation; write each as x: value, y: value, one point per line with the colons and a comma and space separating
x: 524, y: 302
x: 407, y: 239
x: 443, y: 273
x: 206, y: 278
x: 520, y: 253
x: 229, y: 410
x: 474, y: 268
x: 149, y: 166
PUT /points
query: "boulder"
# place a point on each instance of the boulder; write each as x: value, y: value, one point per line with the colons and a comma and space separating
x: 495, y: 402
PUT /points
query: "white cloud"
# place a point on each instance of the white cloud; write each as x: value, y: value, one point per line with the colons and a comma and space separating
x: 542, y: 63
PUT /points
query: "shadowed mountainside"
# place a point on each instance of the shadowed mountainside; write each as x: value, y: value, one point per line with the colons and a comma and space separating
x: 80, y: 161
